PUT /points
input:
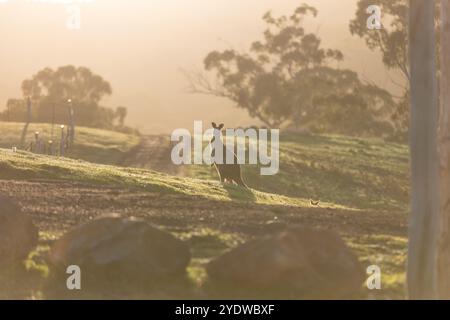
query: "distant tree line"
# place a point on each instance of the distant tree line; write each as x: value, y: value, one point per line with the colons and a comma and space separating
x: 289, y: 79
x: 54, y: 93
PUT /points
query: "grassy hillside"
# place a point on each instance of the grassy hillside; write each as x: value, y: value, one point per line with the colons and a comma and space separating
x: 354, y: 172
x: 362, y: 185
x: 215, y: 217
x: 95, y: 145
x: 25, y: 165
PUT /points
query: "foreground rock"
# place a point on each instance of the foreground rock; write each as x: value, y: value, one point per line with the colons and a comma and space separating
x: 296, y: 263
x: 18, y: 234
x: 121, y: 249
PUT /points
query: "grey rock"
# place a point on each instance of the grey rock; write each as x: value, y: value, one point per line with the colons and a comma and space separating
x: 124, y: 248
x: 297, y: 262
x: 18, y: 234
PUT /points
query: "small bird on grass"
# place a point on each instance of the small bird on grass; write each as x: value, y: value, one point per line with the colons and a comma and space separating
x: 314, y: 203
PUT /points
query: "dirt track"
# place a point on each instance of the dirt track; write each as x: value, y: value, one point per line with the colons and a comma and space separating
x: 153, y: 152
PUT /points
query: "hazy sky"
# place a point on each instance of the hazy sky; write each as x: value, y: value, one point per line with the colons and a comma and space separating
x: 139, y: 46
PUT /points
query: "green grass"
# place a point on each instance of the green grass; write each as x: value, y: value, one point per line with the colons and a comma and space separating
x: 389, y: 253
x: 94, y: 145
x: 25, y: 165
x: 354, y: 172
x: 351, y: 174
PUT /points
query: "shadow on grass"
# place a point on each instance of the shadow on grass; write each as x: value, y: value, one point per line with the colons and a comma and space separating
x: 225, y: 291
x: 112, y: 285
x: 239, y: 193
x: 18, y: 283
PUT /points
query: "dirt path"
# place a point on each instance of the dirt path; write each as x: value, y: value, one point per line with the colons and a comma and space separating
x: 153, y: 152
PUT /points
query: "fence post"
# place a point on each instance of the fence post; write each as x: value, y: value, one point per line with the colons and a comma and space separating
x: 71, y: 136
x: 62, y: 143
x: 27, y: 123
x: 37, y: 142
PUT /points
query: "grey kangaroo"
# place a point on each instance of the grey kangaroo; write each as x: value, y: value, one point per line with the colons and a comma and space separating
x: 227, y: 172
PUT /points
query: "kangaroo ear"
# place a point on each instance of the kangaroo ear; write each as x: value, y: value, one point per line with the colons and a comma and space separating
x: 220, y: 126
x: 214, y: 125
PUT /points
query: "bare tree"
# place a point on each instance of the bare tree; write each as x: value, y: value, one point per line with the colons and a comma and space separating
x: 424, y: 219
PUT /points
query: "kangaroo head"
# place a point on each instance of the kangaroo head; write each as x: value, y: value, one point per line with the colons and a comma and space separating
x: 217, y: 131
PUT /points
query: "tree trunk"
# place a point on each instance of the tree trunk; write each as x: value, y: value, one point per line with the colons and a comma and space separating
x: 424, y: 218
x: 443, y: 258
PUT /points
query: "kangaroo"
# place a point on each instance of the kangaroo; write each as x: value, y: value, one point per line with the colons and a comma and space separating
x: 227, y: 172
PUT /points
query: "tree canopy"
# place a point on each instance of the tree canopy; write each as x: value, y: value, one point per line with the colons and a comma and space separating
x: 391, y: 41
x: 289, y: 77
x: 68, y: 82
x: 53, y: 91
